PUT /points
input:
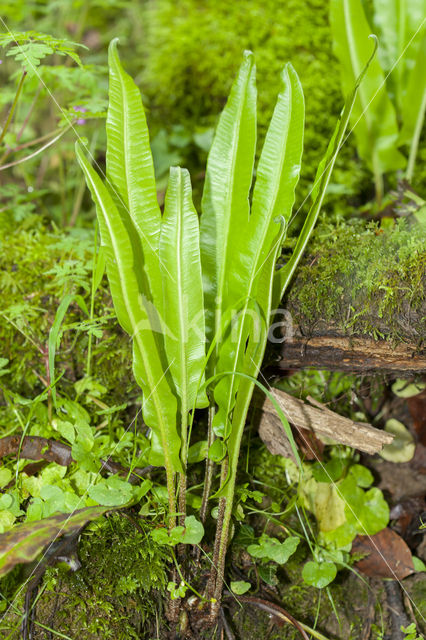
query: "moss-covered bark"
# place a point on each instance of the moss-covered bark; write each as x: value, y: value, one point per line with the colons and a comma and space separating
x: 360, y: 279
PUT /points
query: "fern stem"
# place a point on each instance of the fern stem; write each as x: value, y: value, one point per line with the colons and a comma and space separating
x: 170, y: 483
x: 208, y: 478
x: 218, y: 542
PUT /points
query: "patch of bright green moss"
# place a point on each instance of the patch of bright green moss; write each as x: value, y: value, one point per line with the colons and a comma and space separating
x: 38, y: 268
x: 363, y: 279
x: 116, y: 595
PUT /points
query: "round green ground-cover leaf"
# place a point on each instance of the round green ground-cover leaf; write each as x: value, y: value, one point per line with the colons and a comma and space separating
x: 367, y: 511
x: 404, y: 390
x: 239, y: 587
x: 319, y: 574
x: 6, y: 520
x: 272, y: 549
x: 363, y: 476
x: 418, y: 564
x: 6, y: 500
x: 217, y: 450
x: 197, y: 452
x: 194, y: 531
x: 403, y: 445
x: 330, y: 471
x: 66, y: 429
x: 5, y: 477
x: 191, y: 533
x: 23, y: 543
x: 341, y: 538
x: 111, y: 492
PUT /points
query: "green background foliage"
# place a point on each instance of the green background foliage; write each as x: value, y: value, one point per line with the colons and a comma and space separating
x: 183, y: 55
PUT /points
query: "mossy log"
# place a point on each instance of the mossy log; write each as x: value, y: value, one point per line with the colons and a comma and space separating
x: 358, y: 302
x: 355, y: 354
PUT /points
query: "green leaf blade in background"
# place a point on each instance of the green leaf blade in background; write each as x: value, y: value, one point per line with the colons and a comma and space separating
x: 130, y: 168
x: 183, y: 294
x: 400, y: 25
x: 225, y: 204
x: 133, y: 313
x: 373, y: 116
x: 413, y: 107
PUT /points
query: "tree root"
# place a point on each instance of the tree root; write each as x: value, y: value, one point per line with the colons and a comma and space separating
x: 273, y: 609
x: 62, y: 550
x: 225, y: 629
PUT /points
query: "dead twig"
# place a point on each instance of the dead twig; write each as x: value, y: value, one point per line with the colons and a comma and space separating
x: 273, y: 610
x: 320, y: 420
x: 37, y: 448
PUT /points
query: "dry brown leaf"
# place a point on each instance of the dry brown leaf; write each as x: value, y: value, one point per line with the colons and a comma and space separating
x: 388, y: 555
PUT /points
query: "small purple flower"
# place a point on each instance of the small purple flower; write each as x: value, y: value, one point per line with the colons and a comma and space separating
x: 80, y: 109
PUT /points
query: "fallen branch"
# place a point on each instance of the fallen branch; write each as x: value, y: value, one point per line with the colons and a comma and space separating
x: 37, y: 448
x: 320, y: 420
x: 278, y: 613
x: 351, y: 353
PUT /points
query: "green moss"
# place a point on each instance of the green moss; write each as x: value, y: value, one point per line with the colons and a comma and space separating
x: 193, y: 49
x: 416, y: 588
x: 37, y: 269
x: 117, y: 594
x: 364, y: 280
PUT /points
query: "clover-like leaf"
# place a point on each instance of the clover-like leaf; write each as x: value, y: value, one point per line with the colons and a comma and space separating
x: 111, y: 492
x: 272, y: 549
x: 318, y: 574
x: 239, y: 587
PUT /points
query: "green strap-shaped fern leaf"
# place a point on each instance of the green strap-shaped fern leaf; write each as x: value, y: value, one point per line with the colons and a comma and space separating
x: 413, y: 107
x: 373, y: 115
x: 130, y: 169
x: 284, y: 275
x: 400, y: 26
x: 183, y: 294
x: 225, y: 203
x: 26, y: 541
x: 124, y: 265
x: 260, y: 242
